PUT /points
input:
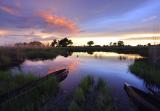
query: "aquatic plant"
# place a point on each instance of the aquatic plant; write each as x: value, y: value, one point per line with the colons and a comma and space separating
x: 73, y: 107
x: 11, y: 81
x: 31, y: 99
x: 97, y: 99
x: 147, y: 71
x: 79, y: 97
x: 103, y: 99
x: 86, y: 84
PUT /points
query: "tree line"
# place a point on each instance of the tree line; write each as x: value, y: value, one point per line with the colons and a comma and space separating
x: 65, y: 42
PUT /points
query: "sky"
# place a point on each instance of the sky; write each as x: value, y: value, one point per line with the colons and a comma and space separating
x: 103, y: 21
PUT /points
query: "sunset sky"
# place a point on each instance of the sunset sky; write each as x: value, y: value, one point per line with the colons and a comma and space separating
x: 103, y: 21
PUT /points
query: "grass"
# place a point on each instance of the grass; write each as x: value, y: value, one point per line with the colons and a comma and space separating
x: 147, y: 71
x: 91, y: 96
x: 8, y: 81
x: 44, y: 53
x: 86, y: 84
x: 31, y: 100
x: 10, y: 57
x: 74, y: 106
x: 15, y: 56
x: 103, y: 98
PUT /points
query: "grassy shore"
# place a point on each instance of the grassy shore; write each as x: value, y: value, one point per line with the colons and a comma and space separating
x: 9, y: 81
x: 30, y: 100
x: 91, y: 96
x: 143, y: 50
x: 14, y: 56
x: 147, y: 71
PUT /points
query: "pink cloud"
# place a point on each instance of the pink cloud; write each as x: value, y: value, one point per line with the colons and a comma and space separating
x: 63, y: 24
x: 9, y: 10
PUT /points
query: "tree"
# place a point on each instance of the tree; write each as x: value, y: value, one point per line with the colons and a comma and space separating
x: 36, y: 44
x: 120, y: 43
x: 64, y: 42
x: 110, y: 44
x: 114, y: 44
x: 54, y: 43
x: 90, y: 43
x: 149, y: 44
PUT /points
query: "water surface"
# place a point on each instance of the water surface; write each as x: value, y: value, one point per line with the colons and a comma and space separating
x: 112, y: 67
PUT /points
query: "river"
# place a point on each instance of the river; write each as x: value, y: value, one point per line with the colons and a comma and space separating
x: 112, y: 67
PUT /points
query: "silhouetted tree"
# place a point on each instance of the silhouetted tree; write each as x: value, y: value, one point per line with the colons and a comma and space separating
x: 54, y: 43
x: 36, y: 44
x: 149, y: 44
x: 64, y: 42
x: 90, y: 43
x: 114, y: 44
x: 120, y: 43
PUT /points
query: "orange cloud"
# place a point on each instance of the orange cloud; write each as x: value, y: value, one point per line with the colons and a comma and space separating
x: 8, y: 9
x: 65, y: 24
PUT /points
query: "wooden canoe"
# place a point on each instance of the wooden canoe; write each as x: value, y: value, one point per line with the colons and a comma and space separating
x: 59, y: 75
x: 144, y: 101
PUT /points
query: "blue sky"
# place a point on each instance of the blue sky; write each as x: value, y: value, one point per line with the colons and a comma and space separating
x: 110, y: 20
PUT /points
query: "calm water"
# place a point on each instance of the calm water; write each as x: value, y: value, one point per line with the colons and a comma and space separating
x: 111, y: 66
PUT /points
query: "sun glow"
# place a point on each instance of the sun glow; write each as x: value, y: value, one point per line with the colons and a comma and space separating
x: 129, y: 39
x: 3, y: 32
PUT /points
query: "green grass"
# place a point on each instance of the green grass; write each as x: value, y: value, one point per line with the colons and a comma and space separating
x: 79, y: 96
x: 147, y: 71
x: 91, y: 96
x: 103, y: 98
x: 8, y: 81
x: 31, y: 100
x: 86, y: 84
x: 74, y: 107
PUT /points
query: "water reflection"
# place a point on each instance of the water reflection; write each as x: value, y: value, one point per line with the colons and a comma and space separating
x: 43, y: 67
x: 108, y: 65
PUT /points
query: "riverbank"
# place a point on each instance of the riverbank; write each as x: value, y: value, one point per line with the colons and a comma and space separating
x: 89, y: 95
x: 146, y: 70
x: 15, y: 56
x: 18, y: 92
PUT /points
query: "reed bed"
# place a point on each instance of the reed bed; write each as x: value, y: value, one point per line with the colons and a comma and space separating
x: 91, y: 96
x: 149, y: 72
x: 31, y: 100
